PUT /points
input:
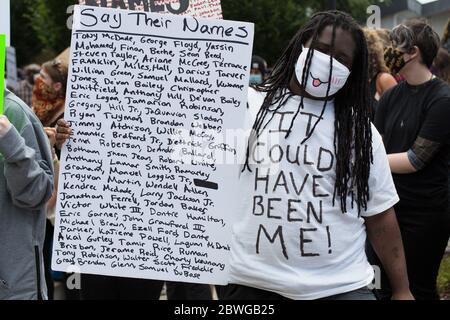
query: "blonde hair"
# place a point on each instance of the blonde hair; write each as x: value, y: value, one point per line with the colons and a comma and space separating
x: 376, y: 53
x: 385, y: 38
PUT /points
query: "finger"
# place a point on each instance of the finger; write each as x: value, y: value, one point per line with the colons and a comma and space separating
x: 62, y: 137
x: 62, y: 123
x: 62, y: 130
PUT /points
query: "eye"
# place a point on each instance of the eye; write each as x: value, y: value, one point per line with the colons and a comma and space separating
x: 344, y: 61
x: 323, y: 50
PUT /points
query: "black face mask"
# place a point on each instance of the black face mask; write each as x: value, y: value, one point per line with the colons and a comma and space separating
x: 394, y: 60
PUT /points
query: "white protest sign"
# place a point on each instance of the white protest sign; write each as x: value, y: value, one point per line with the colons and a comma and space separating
x: 11, y: 67
x: 5, y: 27
x: 145, y: 188
x: 196, y: 8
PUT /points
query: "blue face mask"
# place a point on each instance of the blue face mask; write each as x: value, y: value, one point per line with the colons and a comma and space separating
x: 256, y: 78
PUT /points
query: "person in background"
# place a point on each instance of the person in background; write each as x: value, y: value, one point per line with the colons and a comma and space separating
x: 258, y: 71
x: 24, y: 89
x: 379, y: 77
x: 414, y: 120
x: 26, y: 182
x: 49, y: 93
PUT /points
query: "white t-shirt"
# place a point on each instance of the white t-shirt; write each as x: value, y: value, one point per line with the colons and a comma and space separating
x: 289, y: 238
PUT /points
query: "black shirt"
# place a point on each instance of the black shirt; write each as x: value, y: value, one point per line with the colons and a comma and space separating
x: 405, y: 113
x: 373, y: 93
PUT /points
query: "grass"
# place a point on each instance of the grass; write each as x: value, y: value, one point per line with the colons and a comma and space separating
x: 443, y: 281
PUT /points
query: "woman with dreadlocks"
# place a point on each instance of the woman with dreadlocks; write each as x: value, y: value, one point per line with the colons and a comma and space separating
x: 316, y: 177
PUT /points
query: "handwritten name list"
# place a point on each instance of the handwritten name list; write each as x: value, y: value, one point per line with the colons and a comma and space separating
x: 141, y: 192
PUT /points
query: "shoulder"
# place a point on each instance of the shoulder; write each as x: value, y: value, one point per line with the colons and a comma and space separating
x: 386, y: 79
x: 377, y: 139
x: 255, y: 101
x: 440, y: 95
x: 390, y: 94
x: 255, y: 97
x: 18, y: 113
x: 442, y: 88
x: 395, y: 90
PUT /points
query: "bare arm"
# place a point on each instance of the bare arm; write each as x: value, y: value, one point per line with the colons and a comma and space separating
x: 384, y: 235
x: 400, y: 164
x: 385, y: 82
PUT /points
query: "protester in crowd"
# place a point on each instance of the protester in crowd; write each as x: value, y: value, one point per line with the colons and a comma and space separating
x: 280, y: 249
x: 49, y: 93
x: 379, y: 77
x: 24, y: 89
x: 258, y: 71
x: 441, y: 65
x: 26, y: 181
x: 414, y: 120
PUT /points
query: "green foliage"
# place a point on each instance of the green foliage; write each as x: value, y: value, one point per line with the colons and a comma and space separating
x: 48, y: 19
x: 40, y: 32
x: 23, y: 37
x: 443, y: 280
x: 277, y: 21
x: 38, y: 29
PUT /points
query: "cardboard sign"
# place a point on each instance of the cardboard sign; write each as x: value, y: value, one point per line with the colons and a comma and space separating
x: 148, y: 182
x: 5, y: 27
x: 197, y: 8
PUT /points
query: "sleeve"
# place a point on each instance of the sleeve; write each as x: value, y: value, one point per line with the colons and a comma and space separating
x: 436, y: 125
x: 255, y: 100
x: 422, y: 152
x: 382, y: 192
x: 29, y: 178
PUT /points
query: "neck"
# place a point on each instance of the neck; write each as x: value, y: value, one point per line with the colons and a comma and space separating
x: 417, y: 75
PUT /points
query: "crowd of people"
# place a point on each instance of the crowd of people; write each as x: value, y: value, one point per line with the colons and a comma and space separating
x: 382, y: 100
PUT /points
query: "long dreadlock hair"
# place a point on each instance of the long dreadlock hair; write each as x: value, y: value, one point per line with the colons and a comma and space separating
x: 352, y: 105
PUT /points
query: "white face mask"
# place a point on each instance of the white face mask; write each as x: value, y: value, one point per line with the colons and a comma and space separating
x: 319, y: 73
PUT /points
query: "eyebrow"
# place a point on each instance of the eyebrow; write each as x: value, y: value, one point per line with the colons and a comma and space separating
x: 326, y: 45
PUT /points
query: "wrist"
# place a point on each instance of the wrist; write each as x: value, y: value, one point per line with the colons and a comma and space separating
x: 401, y: 290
